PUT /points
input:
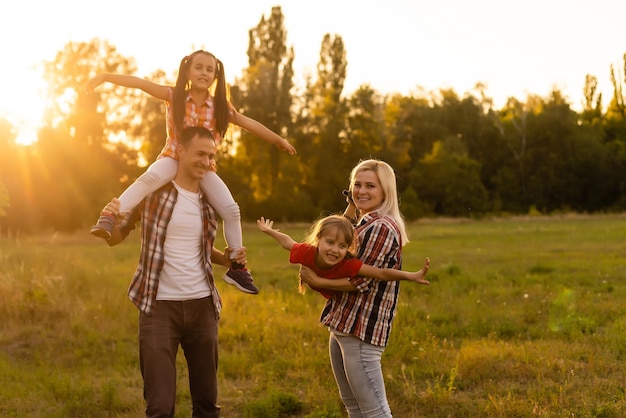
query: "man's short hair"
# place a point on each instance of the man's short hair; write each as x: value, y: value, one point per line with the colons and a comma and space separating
x: 190, y: 132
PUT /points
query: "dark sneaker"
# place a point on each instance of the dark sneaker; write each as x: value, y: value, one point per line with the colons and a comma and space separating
x: 104, y: 227
x: 242, y: 280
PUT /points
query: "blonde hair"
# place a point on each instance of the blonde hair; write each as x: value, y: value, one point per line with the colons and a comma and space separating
x: 323, y: 225
x: 387, y: 178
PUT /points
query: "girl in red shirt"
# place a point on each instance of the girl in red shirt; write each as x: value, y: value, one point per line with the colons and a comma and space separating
x: 326, y: 250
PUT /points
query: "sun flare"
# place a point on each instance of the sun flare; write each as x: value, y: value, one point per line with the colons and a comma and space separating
x: 22, y: 104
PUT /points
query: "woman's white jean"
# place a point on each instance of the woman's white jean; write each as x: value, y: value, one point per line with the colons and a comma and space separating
x: 359, y: 376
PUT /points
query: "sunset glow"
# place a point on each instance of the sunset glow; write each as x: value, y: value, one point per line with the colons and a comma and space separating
x: 22, y: 105
x: 407, y: 47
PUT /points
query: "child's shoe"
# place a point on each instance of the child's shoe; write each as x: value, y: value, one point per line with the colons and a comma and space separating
x: 241, y: 279
x: 104, y: 227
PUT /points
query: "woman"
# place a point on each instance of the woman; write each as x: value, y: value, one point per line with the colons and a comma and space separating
x: 359, y: 315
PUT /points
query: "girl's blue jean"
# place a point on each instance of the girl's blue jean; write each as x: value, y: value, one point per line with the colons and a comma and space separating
x: 358, y: 373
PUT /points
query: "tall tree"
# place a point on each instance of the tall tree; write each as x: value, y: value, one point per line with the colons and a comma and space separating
x: 592, y: 105
x: 328, y: 143
x: 329, y: 117
x: 618, y: 77
x: 265, y: 95
x: 615, y: 130
x: 512, y: 123
x: 365, y: 135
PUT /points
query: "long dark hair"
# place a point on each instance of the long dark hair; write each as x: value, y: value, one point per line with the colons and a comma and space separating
x: 180, y: 94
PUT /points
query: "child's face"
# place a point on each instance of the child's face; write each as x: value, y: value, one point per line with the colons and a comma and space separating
x: 331, y: 249
x: 202, y: 71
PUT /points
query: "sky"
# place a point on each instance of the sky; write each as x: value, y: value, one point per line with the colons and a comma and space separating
x: 396, y: 46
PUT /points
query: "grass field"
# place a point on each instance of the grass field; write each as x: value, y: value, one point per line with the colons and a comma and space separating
x: 524, y: 318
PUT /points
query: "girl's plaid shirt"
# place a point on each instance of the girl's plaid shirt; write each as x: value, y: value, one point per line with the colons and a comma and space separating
x: 202, y: 115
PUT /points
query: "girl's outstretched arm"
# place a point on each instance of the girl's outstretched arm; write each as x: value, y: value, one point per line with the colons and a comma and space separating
x: 266, y: 226
x: 309, y: 277
x: 392, y: 275
x: 157, y: 90
x: 257, y: 128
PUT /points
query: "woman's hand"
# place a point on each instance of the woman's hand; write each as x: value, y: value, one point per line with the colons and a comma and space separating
x: 419, y: 276
x: 307, y: 275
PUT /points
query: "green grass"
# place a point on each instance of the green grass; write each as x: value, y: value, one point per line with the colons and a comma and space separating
x: 524, y: 318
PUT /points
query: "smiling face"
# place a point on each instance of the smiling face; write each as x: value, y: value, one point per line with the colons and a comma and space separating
x: 367, y: 191
x: 331, y: 248
x: 195, y: 158
x: 202, y: 71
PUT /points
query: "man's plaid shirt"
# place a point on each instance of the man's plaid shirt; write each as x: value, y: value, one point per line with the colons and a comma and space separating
x: 154, y: 213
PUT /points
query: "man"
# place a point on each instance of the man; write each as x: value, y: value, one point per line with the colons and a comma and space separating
x: 173, y: 286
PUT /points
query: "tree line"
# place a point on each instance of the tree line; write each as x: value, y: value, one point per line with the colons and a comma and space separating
x: 455, y: 155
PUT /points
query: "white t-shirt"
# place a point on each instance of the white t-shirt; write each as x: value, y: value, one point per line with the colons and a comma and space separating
x: 183, y: 276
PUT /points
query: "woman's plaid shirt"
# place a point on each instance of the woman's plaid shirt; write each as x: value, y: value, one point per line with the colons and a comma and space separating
x: 368, y: 312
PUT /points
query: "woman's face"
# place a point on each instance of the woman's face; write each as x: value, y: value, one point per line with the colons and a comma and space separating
x: 367, y: 191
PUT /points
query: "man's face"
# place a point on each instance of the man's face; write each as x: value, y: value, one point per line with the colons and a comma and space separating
x: 197, y: 157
